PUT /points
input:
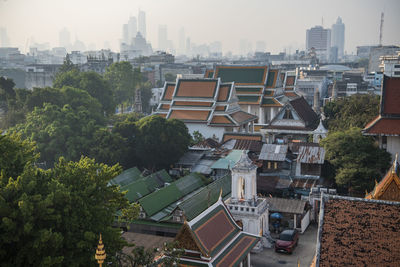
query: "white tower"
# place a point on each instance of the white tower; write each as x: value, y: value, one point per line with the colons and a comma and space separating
x: 244, y: 204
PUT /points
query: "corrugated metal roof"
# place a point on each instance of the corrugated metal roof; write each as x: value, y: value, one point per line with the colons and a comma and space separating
x: 203, y: 166
x: 284, y: 205
x: 229, y: 161
x: 190, y: 158
x: 126, y: 177
x: 309, y: 154
x: 273, y: 152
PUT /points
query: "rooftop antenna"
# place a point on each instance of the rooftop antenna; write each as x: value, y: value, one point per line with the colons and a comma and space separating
x: 381, y: 29
x: 322, y: 22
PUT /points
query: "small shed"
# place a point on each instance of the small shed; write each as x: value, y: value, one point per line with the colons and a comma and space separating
x: 274, y: 157
x: 309, y: 161
x: 295, y: 211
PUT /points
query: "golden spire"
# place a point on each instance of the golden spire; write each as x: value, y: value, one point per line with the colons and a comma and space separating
x: 100, y: 253
x: 394, y: 164
x: 220, y: 192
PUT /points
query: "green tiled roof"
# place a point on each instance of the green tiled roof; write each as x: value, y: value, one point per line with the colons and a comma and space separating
x: 208, y: 195
x: 145, y: 186
x: 269, y: 92
x: 228, y: 161
x: 271, y: 78
x: 126, y: 177
x: 247, y: 98
x: 162, y: 198
x: 241, y: 75
x: 243, y: 90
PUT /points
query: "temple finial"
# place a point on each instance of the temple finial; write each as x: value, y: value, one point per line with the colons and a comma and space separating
x: 100, y: 255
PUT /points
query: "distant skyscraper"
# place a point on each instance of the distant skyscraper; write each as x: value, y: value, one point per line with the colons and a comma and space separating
x: 162, y: 37
x: 181, y: 46
x: 338, y: 36
x: 142, y: 23
x: 320, y: 39
x: 4, y: 41
x: 64, y: 38
x: 132, y: 29
x: 125, y: 34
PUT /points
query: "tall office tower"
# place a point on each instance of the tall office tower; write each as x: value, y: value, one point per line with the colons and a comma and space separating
x: 188, y: 46
x: 132, y: 29
x: 142, y: 23
x: 319, y: 39
x: 64, y: 38
x: 181, y: 45
x: 162, y: 37
x: 125, y: 34
x: 338, y: 36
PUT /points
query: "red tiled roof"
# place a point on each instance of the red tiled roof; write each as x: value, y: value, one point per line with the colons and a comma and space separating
x: 236, y: 252
x: 383, y: 126
x: 389, y: 187
x: 290, y: 80
x: 196, y: 88
x: 191, y: 115
x: 221, y: 120
x: 239, y: 136
x: 291, y: 94
x: 390, y: 96
x: 357, y: 232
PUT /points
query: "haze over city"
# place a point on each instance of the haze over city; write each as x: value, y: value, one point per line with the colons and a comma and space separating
x: 281, y: 25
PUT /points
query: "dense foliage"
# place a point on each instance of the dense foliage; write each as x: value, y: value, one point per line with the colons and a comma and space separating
x: 354, y: 111
x: 54, y: 217
x: 357, y: 160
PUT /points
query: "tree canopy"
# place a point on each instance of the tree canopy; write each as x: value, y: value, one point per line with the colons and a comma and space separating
x: 161, y: 142
x: 357, y: 160
x: 354, y: 111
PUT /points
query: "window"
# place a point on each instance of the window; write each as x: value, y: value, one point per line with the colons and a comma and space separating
x: 397, y: 66
x: 397, y: 73
x: 269, y: 165
x: 275, y: 165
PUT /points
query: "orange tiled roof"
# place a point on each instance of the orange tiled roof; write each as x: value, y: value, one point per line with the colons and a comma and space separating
x: 196, y: 88
x: 220, y: 108
x: 291, y: 94
x: 239, y: 136
x: 190, y: 115
x: 289, y: 80
x: 165, y: 106
x: 168, y: 92
x: 221, y: 120
x: 164, y: 115
x: 223, y: 93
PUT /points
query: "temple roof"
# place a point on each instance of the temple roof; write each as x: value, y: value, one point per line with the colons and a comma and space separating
x: 383, y: 126
x: 358, y: 232
x: 169, y: 89
x: 390, y: 99
x: 206, y: 88
x: 389, y: 187
x: 242, y: 75
x: 303, y: 109
x: 215, y: 234
x: 190, y: 115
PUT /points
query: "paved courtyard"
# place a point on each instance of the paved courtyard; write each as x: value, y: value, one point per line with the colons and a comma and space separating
x: 304, y: 252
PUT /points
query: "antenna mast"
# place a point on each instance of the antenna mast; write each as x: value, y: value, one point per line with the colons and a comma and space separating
x: 381, y: 30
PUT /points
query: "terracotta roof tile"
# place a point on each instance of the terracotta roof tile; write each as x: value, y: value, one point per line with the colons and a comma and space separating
x: 196, y: 88
x: 168, y: 92
x: 223, y: 93
x: 220, y: 108
x: 239, y: 136
x: 384, y: 126
x: 356, y: 232
x: 243, y: 117
x: 221, y: 120
x: 390, y: 96
x: 290, y: 80
x: 193, y: 103
x: 189, y: 115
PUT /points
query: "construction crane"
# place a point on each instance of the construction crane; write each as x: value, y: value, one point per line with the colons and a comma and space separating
x: 381, y: 30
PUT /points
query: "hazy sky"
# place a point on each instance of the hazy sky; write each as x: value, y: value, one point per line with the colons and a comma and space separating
x: 280, y: 23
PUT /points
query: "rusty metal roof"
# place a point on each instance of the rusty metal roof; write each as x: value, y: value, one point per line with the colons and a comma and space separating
x: 273, y: 152
x: 309, y: 154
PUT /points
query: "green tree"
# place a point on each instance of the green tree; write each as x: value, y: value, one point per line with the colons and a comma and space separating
x: 197, y: 138
x: 356, y: 159
x: 120, y: 76
x: 67, y: 78
x: 15, y: 154
x: 65, y: 131
x: 354, y: 111
x: 54, y: 217
x: 161, y: 142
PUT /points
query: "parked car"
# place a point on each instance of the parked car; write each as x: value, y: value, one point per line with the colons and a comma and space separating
x: 287, y: 241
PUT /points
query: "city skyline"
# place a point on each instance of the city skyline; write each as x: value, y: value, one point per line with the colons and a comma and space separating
x: 274, y: 24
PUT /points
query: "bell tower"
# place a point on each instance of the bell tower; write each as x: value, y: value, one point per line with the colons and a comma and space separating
x: 244, y: 180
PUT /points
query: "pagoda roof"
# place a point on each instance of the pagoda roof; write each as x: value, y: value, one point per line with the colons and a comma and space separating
x: 189, y: 115
x: 196, y: 88
x: 390, y: 99
x: 215, y: 234
x: 224, y: 92
x: 169, y: 89
x: 383, y: 126
x: 389, y: 187
x: 272, y: 78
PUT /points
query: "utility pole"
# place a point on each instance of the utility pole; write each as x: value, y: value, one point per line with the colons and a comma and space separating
x: 381, y: 30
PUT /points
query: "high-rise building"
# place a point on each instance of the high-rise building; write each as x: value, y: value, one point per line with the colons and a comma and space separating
x: 181, y: 46
x: 132, y: 29
x: 162, y: 37
x: 319, y: 39
x: 125, y: 34
x: 64, y: 38
x: 4, y: 41
x: 142, y: 23
x: 338, y: 36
